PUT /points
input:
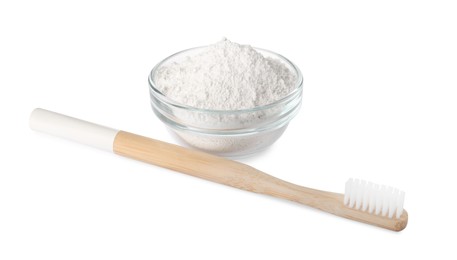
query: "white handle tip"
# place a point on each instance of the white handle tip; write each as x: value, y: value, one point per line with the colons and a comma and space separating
x: 72, y: 128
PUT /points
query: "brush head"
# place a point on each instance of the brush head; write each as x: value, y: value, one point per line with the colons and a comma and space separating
x: 374, y: 198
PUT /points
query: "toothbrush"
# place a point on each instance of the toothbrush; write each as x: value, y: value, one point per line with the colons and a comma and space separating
x: 363, y: 201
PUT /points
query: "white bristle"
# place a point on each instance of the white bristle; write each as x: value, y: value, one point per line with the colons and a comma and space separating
x: 352, y: 194
x: 358, y: 196
x: 393, y: 203
x: 372, y: 199
x: 399, y: 206
x: 385, y: 200
x: 365, y: 196
x: 346, y: 191
x: 379, y: 200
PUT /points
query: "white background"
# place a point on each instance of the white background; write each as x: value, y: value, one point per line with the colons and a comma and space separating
x: 379, y: 103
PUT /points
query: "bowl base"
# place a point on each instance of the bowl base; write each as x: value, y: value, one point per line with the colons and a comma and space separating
x: 230, y: 146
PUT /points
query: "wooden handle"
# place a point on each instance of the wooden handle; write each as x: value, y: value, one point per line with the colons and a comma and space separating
x: 241, y: 176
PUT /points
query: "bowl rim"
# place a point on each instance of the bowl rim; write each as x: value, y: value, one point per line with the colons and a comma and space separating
x: 298, y: 86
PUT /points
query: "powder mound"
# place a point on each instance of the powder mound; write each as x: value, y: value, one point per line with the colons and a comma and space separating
x: 225, y: 76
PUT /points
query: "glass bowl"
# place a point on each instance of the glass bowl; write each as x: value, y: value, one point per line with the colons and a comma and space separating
x: 229, y: 133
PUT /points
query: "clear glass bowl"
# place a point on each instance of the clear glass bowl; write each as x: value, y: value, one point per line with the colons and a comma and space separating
x: 230, y: 133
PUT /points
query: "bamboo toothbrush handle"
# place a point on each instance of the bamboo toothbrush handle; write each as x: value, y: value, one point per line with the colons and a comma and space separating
x: 241, y: 176
x: 200, y: 164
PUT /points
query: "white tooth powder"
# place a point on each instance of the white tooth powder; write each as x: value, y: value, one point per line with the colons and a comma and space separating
x: 227, y: 76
